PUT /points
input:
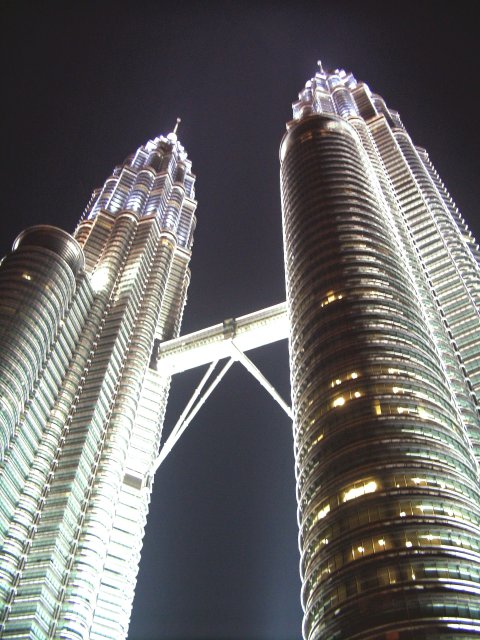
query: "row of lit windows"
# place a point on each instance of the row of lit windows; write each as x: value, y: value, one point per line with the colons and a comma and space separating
x: 392, y: 540
x: 391, y: 505
x: 452, y: 609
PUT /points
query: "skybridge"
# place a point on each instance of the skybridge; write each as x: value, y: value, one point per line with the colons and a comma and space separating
x: 228, y: 340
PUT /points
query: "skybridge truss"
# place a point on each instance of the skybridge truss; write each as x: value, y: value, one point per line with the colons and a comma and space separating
x: 228, y: 341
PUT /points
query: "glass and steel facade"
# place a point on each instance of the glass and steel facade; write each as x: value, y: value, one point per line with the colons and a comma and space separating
x: 383, y: 286
x: 81, y: 408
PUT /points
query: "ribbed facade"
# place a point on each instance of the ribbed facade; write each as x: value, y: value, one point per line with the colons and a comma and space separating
x: 383, y: 287
x: 81, y: 410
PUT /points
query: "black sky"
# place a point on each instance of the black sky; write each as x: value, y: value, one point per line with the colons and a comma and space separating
x: 84, y: 84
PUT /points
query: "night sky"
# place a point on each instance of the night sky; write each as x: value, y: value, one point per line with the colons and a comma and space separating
x: 83, y: 86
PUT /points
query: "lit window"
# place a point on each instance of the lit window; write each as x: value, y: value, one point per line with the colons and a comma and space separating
x: 338, y: 402
x: 331, y: 296
x: 26, y: 276
x: 322, y: 513
x: 424, y: 414
x: 317, y: 440
x: 408, y: 544
x: 425, y: 507
x: 429, y: 537
x: 402, y: 410
x: 357, y: 491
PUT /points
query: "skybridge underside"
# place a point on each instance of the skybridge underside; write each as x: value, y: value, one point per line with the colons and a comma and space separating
x: 219, y: 341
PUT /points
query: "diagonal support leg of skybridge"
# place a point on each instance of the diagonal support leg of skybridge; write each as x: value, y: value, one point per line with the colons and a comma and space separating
x: 258, y: 375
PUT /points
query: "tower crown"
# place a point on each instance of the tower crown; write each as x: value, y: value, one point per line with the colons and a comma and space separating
x: 152, y: 181
x: 339, y: 93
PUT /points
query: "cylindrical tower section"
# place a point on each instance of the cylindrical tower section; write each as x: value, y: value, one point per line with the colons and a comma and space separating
x: 37, y: 282
x: 387, y: 487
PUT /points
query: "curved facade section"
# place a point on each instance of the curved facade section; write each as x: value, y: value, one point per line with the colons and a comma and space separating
x: 56, y: 240
x: 387, y: 486
x: 37, y: 283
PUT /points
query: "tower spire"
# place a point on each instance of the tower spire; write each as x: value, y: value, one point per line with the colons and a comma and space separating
x: 173, y: 135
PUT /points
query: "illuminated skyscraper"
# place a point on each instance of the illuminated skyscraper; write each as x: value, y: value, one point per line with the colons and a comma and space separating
x: 383, y: 293
x: 80, y: 407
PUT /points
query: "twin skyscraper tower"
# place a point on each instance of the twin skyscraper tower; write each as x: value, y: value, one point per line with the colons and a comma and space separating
x: 383, y: 295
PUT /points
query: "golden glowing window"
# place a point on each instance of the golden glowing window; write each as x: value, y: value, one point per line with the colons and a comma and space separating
x: 331, y: 296
x: 358, y: 490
